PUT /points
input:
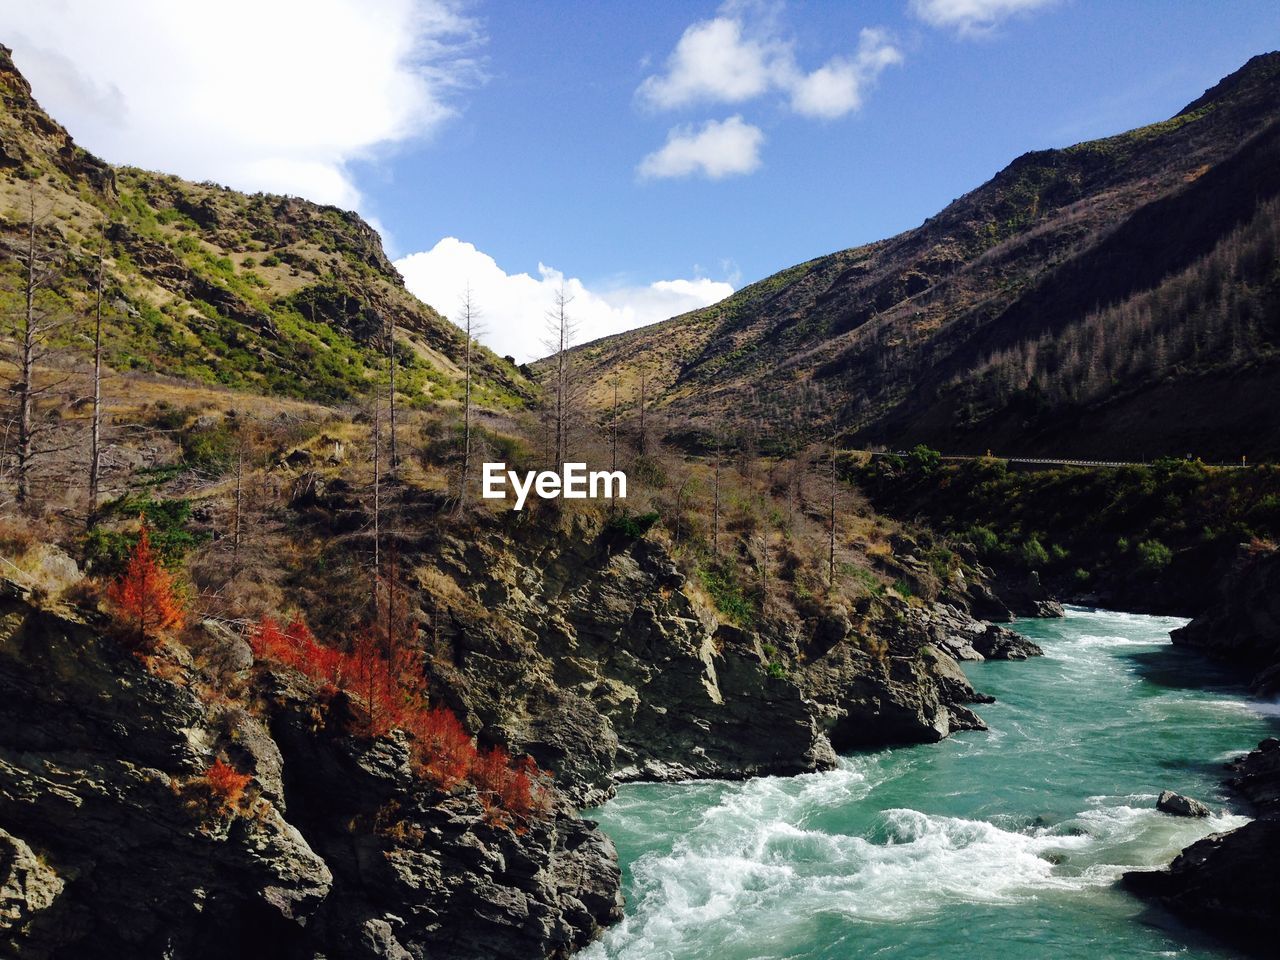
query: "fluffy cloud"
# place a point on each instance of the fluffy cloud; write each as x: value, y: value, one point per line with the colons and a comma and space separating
x: 732, y: 59
x: 836, y: 89
x: 719, y: 148
x: 279, y: 96
x: 714, y: 63
x: 513, y: 308
x: 971, y: 17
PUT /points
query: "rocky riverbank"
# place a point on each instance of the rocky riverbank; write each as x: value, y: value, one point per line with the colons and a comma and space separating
x: 1228, y: 882
x: 595, y: 654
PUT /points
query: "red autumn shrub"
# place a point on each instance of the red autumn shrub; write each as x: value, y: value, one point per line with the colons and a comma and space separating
x: 226, y: 784
x: 389, y: 678
x: 442, y: 747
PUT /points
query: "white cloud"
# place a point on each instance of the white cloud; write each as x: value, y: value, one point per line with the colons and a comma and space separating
x: 513, y: 307
x: 734, y: 57
x: 279, y: 96
x: 713, y: 63
x: 836, y: 89
x: 971, y: 17
x: 719, y: 148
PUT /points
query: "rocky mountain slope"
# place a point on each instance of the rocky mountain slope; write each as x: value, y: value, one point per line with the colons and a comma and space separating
x: 264, y: 292
x: 1116, y: 299
x: 593, y: 652
x: 580, y: 645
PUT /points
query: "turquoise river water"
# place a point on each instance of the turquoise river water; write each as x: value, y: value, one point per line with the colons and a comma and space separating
x: 1004, y: 844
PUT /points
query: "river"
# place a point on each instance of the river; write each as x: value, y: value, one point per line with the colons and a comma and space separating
x: 1002, y: 844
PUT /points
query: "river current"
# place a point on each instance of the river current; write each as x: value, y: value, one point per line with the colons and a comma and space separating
x: 1003, y: 844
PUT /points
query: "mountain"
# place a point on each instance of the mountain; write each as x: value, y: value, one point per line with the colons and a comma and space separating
x: 257, y: 291
x: 1119, y: 298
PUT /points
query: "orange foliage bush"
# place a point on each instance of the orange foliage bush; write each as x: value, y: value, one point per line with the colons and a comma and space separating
x: 390, y: 680
x: 295, y: 646
x: 145, y: 598
x: 444, y: 750
x: 226, y: 784
x: 520, y: 789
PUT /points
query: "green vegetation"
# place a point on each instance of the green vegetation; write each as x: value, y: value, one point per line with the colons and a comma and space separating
x: 721, y: 582
x: 1141, y: 528
x: 631, y: 526
x: 169, y: 521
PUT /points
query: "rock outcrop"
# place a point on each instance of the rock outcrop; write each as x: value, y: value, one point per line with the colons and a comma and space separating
x: 110, y: 846
x: 594, y: 654
x: 1243, y: 627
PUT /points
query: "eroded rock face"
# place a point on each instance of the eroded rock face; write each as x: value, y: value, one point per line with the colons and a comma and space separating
x: 591, y: 653
x: 1227, y: 882
x: 337, y: 850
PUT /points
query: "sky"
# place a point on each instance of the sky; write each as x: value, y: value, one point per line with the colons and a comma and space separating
x: 648, y: 158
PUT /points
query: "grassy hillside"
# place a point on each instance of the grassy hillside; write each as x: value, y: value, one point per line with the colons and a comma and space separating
x: 1120, y: 292
x: 264, y: 292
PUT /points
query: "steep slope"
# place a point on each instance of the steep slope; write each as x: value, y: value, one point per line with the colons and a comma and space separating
x: 1118, y: 297
x: 202, y: 282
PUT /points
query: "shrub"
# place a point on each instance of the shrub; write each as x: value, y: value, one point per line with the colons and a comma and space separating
x: 1034, y: 553
x: 924, y: 460
x: 983, y: 539
x: 226, y: 784
x: 726, y: 593
x: 1153, y: 556
x: 631, y: 526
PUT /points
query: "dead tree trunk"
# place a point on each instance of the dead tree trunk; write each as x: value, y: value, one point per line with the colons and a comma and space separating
x: 831, y: 526
x: 95, y: 429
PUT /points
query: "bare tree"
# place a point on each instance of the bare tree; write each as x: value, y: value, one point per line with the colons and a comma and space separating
x: 35, y: 329
x: 377, y: 488
x: 394, y: 459
x: 762, y: 561
x: 613, y: 425
x: 561, y: 330
x: 715, y: 502
x: 238, y: 515
x: 471, y: 329
x: 95, y: 430
x: 831, y: 522
x: 643, y: 432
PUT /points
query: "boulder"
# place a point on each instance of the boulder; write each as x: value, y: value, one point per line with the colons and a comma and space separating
x: 1000, y: 643
x: 1175, y: 804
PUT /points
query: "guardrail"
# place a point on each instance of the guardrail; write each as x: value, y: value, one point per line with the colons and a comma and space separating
x: 1044, y: 461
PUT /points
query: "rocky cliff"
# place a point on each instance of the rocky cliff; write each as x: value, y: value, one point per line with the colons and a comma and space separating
x: 582, y: 646
x: 112, y: 843
x: 593, y: 652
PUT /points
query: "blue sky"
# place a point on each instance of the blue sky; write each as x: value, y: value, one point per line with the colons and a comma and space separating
x: 521, y: 130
